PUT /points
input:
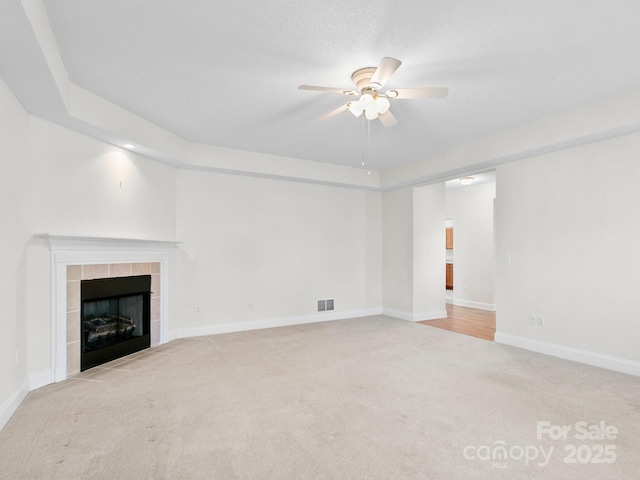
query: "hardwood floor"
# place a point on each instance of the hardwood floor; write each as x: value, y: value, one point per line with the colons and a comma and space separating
x: 468, y: 321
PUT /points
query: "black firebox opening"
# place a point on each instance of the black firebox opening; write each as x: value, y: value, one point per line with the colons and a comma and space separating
x: 115, y: 318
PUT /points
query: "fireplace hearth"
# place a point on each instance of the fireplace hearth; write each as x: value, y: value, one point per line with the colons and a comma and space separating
x: 115, y: 318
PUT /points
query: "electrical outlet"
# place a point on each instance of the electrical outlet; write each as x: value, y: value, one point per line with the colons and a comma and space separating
x: 536, y: 320
x: 197, y: 308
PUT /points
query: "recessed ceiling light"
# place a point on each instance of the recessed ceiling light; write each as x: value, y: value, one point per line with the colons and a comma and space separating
x: 129, y: 146
x: 466, y: 180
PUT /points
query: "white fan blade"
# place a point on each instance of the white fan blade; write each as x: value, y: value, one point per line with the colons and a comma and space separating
x: 387, y: 119
x: 385, y: 70
x: 315, y: 88
x: 334, y: 113
x: 423, y: 92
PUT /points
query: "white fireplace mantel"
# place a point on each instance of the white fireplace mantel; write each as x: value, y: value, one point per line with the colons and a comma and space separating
x: 69, y: 250
x: 80, y: 243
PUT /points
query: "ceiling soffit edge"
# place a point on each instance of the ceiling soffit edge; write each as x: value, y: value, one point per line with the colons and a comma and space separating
x: 95, y: 116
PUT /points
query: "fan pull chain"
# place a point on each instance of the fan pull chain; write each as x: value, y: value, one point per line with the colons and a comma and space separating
x: 368, y: 142
x: 369, y: 139
x: 362, y: 140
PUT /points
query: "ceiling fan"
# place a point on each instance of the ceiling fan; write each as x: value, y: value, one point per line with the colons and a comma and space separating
x: 372, y: 102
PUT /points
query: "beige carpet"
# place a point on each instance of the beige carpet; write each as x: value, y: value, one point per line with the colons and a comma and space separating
x: 371, y: 398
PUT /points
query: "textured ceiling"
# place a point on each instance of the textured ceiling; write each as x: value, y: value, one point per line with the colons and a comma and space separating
x: 226, y: 72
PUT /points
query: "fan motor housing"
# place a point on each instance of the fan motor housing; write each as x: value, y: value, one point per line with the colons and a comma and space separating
x: 362, y: 77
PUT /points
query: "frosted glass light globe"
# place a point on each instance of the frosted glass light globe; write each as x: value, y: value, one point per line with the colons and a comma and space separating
x: 382, y: 105
x: 371, y: 113
x: 366, y: 100
x: 356, y: 108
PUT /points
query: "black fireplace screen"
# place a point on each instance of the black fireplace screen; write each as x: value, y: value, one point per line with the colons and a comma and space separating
x: 115, y: 318
x: 111, y: 321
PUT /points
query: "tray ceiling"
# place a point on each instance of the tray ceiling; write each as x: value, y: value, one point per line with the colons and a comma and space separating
x: 225, y: 73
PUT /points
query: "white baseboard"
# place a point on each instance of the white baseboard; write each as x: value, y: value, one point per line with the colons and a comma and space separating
x: 270, y: 323
x: 419, y: 317
x: 10, y: 406
x: 40, y: 379
x: 471, y: 304
x: 569, y: 353
x: 389, y: 312
x: 414, y: 317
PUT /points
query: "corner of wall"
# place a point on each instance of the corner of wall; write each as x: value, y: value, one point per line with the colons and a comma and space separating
x: 12, y: 403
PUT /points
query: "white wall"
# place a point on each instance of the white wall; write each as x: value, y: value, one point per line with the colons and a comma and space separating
x: 397, y: 252
x: 82, y: 186
x: 429, y: 252
x: 569, y: 221
x: 413, y: 252
x: 15, y: 232
x: 266, y: 250
x: 471, y: 207
x: 85, y: 186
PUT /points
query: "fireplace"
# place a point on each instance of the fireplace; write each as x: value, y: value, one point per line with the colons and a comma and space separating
x: 115, y: 318
x: 78, y: 258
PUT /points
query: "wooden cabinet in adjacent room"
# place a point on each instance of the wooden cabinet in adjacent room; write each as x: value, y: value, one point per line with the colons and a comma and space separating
x: 449, y: 276
x: 449, y: 237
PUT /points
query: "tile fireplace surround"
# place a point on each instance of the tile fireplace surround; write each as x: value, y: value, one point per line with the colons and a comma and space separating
x: 75, y: 258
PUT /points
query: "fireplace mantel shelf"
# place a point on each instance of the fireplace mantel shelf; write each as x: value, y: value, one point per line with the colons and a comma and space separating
x: 77, y: 242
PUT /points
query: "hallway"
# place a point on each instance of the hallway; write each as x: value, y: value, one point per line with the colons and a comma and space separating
x: 468, y: 321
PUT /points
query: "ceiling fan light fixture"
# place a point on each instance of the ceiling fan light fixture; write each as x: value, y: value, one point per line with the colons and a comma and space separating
x: 356, y: 108
x: 466, y: 180
x: 367, y: 97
